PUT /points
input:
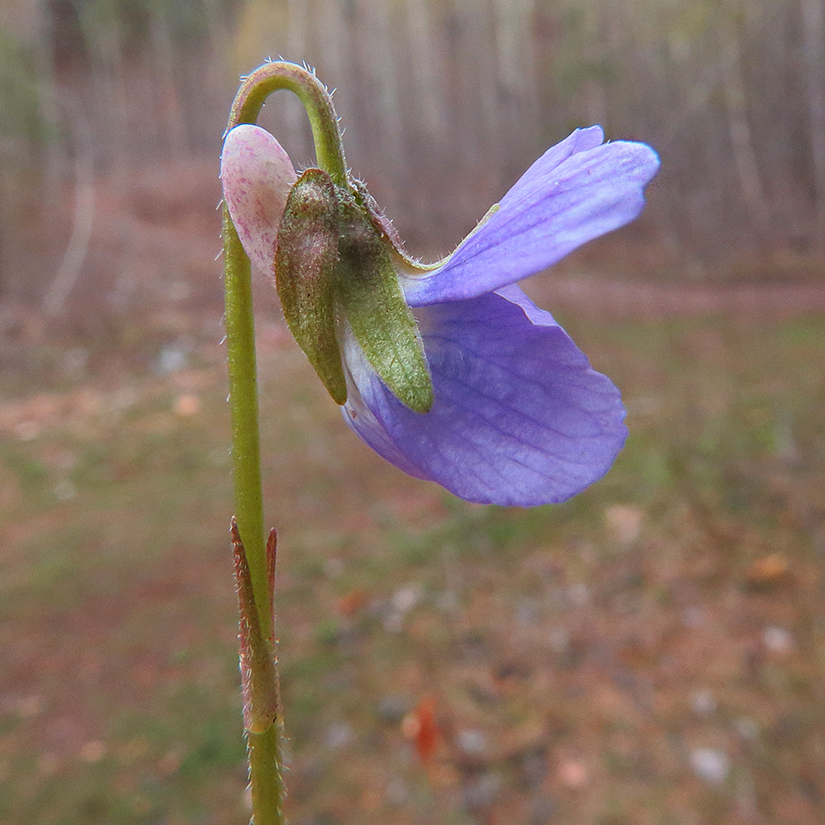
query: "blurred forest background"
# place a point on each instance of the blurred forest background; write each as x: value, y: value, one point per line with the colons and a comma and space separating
x: 649, y: 653
x: 445, y: 104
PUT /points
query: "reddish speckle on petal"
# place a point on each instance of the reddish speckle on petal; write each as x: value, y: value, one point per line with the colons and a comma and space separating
x: 257, y: 176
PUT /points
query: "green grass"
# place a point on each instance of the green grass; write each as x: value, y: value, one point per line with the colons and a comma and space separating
x: 545, y: 633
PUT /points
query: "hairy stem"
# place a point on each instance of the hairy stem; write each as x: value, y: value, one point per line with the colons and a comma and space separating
x: 264, y: 748
x: 270, y: 77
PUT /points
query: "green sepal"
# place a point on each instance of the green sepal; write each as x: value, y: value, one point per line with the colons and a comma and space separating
x: 305, y: 269
x: 374, y: 305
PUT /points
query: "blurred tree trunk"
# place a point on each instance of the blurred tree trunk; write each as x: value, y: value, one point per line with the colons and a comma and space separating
x: 516, y: 72
x: 296, y: 30
x: 474, y: 106
x: 741, y: 139
x: 111, y: 100
x: 295, y: 120
x: 83, y: 219
x: 333, y: 41
x: 381, y: 70
x: 428, y: 71
x: 170, y: 117
x: 813, y: 32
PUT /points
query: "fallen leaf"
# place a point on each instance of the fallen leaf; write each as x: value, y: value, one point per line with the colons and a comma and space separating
x: 421, y: 727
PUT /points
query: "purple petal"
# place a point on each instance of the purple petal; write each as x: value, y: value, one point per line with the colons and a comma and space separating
x: 578, y: 141
x: 519, y: 416
x: 256, y: 174
x: 576, y: 191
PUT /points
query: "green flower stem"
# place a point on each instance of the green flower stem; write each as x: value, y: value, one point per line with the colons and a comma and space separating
x: 264, y: 748
x: 243, y: 399
x: 270, y: 77
x: 240, y: 325
x: 265, y: 780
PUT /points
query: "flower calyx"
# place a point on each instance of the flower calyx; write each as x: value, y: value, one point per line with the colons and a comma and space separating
x: 305, y: 261
x: 335, y: 278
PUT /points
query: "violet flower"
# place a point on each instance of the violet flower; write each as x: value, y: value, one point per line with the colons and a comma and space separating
x: 518, y: 416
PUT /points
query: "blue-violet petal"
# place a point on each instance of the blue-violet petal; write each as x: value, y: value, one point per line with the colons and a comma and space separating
x: 520, y: 417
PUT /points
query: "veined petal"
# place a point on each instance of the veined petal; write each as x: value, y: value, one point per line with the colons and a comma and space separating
x: 580, y: 140
x: 256, y: 174
x: 361, y: 419
x: 519, y: 416
x: 578, y: 190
